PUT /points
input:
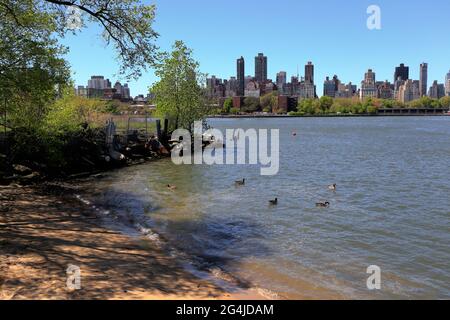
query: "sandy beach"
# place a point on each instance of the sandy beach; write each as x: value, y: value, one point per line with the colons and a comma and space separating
x: 43, y: 230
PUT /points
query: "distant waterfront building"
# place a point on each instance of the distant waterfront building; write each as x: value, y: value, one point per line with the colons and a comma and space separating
x: 81, y: 91
x: 385, y: 91
x: 240, y: 76
x: 281, y: 81
x: 122, y: 92
x: 211, y: 84
x: 99, y: 82
x: 248, y: 79
x: 215, y: 87
x: 231, y: 87
x: 437, y: 90
x: 309, y: 73
x: 409, y: 91
x: 401, y: 72
x: 346, y: 90
x: 368, y: 86
x: 126, y: 94
x: 423, y: 79
x: 252, y: 89
x: 307, y: 90
x: 447, y: 84
x: 397, y: 84
x: 329, y: 87
x: 261, y: 68
x: 268, y: 87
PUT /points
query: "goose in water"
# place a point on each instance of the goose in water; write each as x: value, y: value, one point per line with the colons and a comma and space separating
x: 273, y: 202
x: 240, y: 182
x: 332, y: 187
x: 322, y: 204
x: 171, y: 187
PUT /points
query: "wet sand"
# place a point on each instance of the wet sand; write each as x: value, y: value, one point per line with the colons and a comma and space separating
x: 45, y: 229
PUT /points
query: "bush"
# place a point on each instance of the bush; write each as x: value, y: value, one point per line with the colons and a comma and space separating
x: 227, y: 105
x: 251, y: 104
x: 234, y: 111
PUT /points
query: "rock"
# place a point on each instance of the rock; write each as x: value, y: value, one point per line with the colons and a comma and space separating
x: 22, y: 170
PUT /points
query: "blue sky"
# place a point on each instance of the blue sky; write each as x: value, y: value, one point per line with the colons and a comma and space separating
x: 331, y: 33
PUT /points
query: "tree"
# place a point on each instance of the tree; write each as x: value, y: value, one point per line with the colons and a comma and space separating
x: 445, y: 102
x: 227, y: 105
x: 33, y: 72
x: 325, y: 103
x: 125, y: 24
x: 178, y: 93
x: 32, y: 69
x: 307, y: 106
x: 251, y: 104
x: 269, y: 101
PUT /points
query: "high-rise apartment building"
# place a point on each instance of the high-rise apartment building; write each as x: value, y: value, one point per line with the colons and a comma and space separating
x: 309, y: 73
x: 368, y: 86
x: 423, y: 82
x: 401, y: 72
x: 437, y: 90
x: 240, y: 77
x: 409, y: 91
x: 385, y: 90
x: 281, y: 81
x: 99, y: 83
x: 329, y: 87
x: 261, y: 68
x: 447, y: 84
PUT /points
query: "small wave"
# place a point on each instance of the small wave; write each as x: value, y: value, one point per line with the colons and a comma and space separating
x: 148, y: 233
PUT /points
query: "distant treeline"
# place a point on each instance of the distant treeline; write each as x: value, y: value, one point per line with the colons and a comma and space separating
x: 327, y: 105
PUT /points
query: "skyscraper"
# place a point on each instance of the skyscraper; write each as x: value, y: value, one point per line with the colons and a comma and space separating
x: 401, y: 72
x: 309, y: 73
x: 437, y: 90
x: 368, y: 86
x: 281, y: 81
x: 99, y: 83
x: 423, y: 82
x: 447, y: 84
x: 329, y: 87
x: 240, y: 77
x: 261, y: 68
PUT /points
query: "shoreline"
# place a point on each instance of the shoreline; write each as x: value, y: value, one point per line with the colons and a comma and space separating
x: 42, y: 232
x: 250, y: 116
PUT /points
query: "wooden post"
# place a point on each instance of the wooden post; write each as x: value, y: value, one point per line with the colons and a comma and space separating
x: 146, y: 125
x: 158, y: 128
x: 166, y: 128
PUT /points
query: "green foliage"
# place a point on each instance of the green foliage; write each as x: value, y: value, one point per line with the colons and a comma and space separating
x: 227, y: 105
x: 178, y: 94
x: 445, y: 102
x: 34, y: 75
x: 269, y: 102
x: 234, y: 111
x: 308, y: 106
x: 251, y: 104
x: 71, y: 112
x: 126, y: 25
x: 325, y: 103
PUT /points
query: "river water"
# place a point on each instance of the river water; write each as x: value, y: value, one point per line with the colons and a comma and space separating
x: 391, y: 208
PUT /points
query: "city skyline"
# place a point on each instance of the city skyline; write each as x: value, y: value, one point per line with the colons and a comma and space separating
x: 332, y: 34
x: 403, y: 88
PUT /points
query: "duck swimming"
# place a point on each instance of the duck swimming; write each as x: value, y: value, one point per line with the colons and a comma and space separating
x: 332, y: 187
x: 322, y: 204
x: 240, y: 182
x: 273, y: 202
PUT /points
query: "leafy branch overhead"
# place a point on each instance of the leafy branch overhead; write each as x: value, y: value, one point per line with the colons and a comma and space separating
x: 126, y: 24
